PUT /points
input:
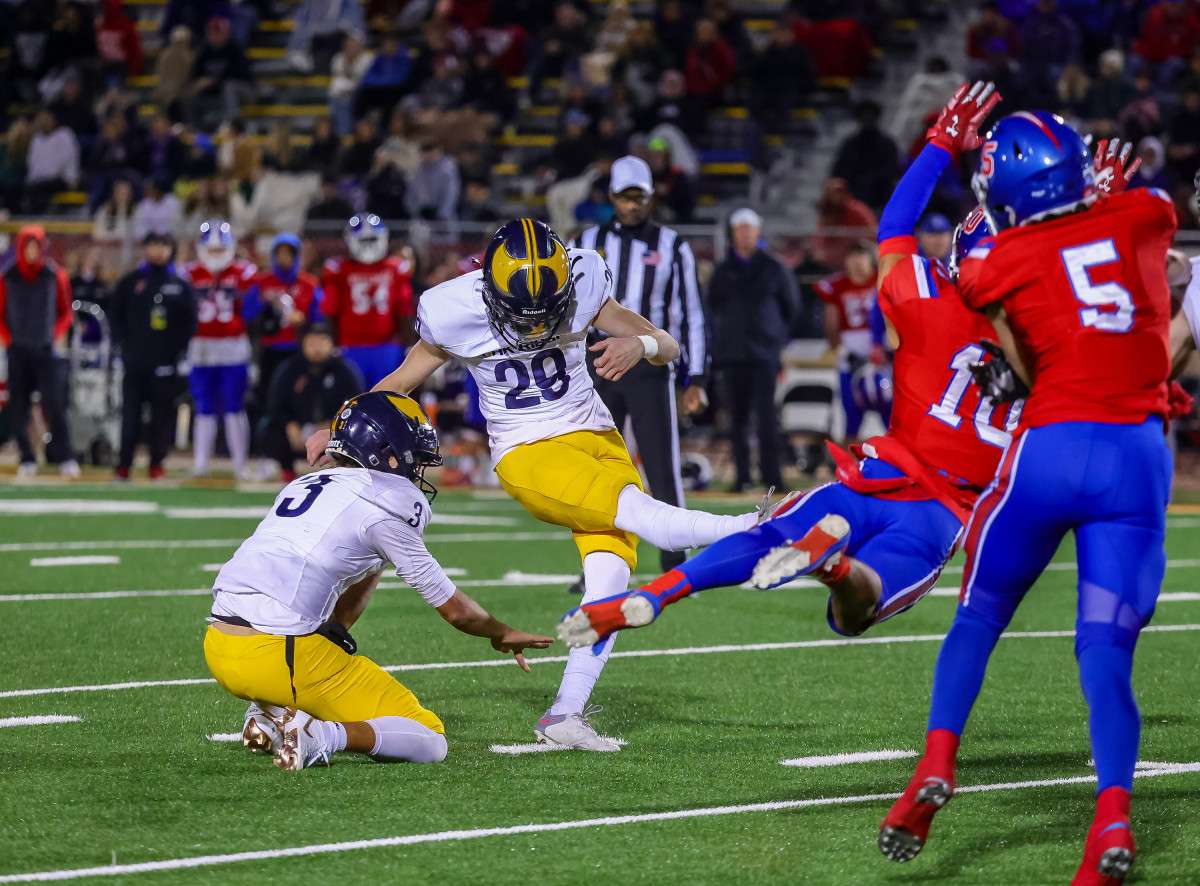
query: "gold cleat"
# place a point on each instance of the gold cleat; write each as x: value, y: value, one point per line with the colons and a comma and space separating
x: 303, y: 745
x: 255, y: 739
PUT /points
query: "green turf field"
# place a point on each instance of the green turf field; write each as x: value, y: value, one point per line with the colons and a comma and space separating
x: 137, y: 780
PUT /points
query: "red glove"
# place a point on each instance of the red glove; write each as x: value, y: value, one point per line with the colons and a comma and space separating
x: 957, y: 127
x: 1179, y: 402
x: 1108, y: 165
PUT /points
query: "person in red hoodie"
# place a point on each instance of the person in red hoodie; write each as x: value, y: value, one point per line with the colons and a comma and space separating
x: 1171, y: 30
x: 711, y: 64
x: 118, y: 41
x: 35, y: 315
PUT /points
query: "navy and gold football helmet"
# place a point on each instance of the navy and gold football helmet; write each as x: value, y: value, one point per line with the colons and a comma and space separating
x: 527, y: 283
x: 389, y: 433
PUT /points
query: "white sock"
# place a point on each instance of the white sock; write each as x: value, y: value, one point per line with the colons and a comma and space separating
x: 335, y: 734
x: 399, y: 739
x: 672, y: 528
x: 604, y: 575
x: 237, y: 436
x: 204, y: 440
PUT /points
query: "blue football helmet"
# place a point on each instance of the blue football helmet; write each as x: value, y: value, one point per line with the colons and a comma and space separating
x: 366, y: 237
x: 389, y: 433
x: 527, y: 283
x: 1031, y: 163
x: 969, y: 231
x: 871, y: 387
x: 216, y: 247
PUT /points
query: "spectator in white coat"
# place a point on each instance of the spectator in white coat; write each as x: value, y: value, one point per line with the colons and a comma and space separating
x: 52, y: 164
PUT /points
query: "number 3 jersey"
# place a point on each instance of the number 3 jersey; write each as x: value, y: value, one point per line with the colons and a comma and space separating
x: 525, y: 395
x: 1086, y: 296
x: 938, y: 415
x: 324, y: 533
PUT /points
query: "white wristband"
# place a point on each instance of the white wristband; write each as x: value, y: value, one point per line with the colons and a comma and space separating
x: 650, y: 344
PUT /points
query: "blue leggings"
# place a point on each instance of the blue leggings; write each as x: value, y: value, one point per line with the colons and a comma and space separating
x: 219, y: 390
x: 1109, y: 484
x: 906, y: 542
x: 376, y: 362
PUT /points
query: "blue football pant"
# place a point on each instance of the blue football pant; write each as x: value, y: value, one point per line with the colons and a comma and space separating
x: 219, y: 390
x: 376, y: 362
x: 1109, y: 484
x: 906, y: 542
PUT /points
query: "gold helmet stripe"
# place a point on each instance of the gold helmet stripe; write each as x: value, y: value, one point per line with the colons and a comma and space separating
x: 409, y: 407
x: 534, y: 275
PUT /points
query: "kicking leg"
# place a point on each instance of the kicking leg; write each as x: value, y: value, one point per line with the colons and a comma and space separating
x: 671, y: 528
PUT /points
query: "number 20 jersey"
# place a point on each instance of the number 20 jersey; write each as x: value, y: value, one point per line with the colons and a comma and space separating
x: 1086, y: 296
x: 529, y: 395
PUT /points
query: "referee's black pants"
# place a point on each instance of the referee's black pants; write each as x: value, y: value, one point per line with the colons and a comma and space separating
x: 646, y: 395
x: 39, y: 369
x: 158, y: 387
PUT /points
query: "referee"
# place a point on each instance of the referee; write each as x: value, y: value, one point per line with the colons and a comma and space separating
x: 654, y: 274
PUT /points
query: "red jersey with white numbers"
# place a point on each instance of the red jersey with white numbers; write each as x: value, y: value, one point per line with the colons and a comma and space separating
x: 219, y: 297
x: 937, y: 411
x: 853, y: 303
x: 367, y: 302
x: 1087, y: 298
x: 299, y: 295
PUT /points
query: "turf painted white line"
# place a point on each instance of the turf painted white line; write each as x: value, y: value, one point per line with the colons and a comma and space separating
x: 153, y: 544
x: 844, y: 759
x: 81, y: 560
x: 25, y: 507
x: 534, y: 747
x: 175, y: 864
x: 212, y: 567
x: 444, y: 519
x: 638, y: 653
x: 105, y: 595
x: 1178, y: 596
x: 246, y: 512
x: 225, y: 736
x: 41, y: 720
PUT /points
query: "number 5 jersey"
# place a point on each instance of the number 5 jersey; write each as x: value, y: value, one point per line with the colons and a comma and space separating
x: 1086, y: 296
x: 324, y: 533
x: 525, y: 395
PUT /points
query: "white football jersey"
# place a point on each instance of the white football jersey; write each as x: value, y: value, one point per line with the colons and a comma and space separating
x: 325, y: 532
x: 525, y: 395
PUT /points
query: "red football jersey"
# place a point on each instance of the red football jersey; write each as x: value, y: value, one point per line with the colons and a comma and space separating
x: 853, y: 303
x: 301, y: 293
x: 937, y: 411
x: 366, y: 301
x: 1086, y: 296
x: 219, y: 297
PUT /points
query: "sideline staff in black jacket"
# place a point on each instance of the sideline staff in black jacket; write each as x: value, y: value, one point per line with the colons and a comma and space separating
x: 153, y: 316
x: 752, y: 303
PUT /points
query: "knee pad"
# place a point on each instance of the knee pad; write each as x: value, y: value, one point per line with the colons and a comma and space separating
x: 1105, y: 618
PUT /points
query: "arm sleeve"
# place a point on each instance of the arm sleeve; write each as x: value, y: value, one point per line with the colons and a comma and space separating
x: 692, y: 326
x: 974, y: 280
x: 63, y: 298
x: 396, y: 541
x: 909, y: 200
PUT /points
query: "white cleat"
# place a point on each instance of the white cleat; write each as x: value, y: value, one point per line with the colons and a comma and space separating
x: 27, y: 469
x: 260, y: 733
x: 69, y: 468
x: 304, y: 743
x: 573, y: 731
x: 820, y: 548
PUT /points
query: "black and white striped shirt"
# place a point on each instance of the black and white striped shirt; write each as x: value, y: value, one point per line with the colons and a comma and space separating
x: 654, y: 274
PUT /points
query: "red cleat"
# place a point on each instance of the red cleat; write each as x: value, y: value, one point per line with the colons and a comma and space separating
x: 287, y: 476
x: 121, y: 474
x: 1110, y: 846
x: 590, y: 623
x: 156, y: 472
x: 904, y: 832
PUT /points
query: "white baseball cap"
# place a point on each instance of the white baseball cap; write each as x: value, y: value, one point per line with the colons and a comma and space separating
x: 630, y: 172
x: 745, y: 216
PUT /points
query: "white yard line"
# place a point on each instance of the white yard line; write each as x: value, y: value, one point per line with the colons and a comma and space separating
x: 24, y: 507
x: 534, y: 747
x: 257, y: 512
x: 152, y: 544
x: 843, y: 759
x: 174, y: 864
x: 105, y: 595
x: 41, y: 720
x: 636, y: 653
x: 225, y: 736
x: 84, y: 560
x: 1178, y: 596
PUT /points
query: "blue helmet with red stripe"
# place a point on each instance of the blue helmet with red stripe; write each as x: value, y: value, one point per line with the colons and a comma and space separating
x: 970, y: 231
x: 527, y: 282
x: 1032, y: 163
